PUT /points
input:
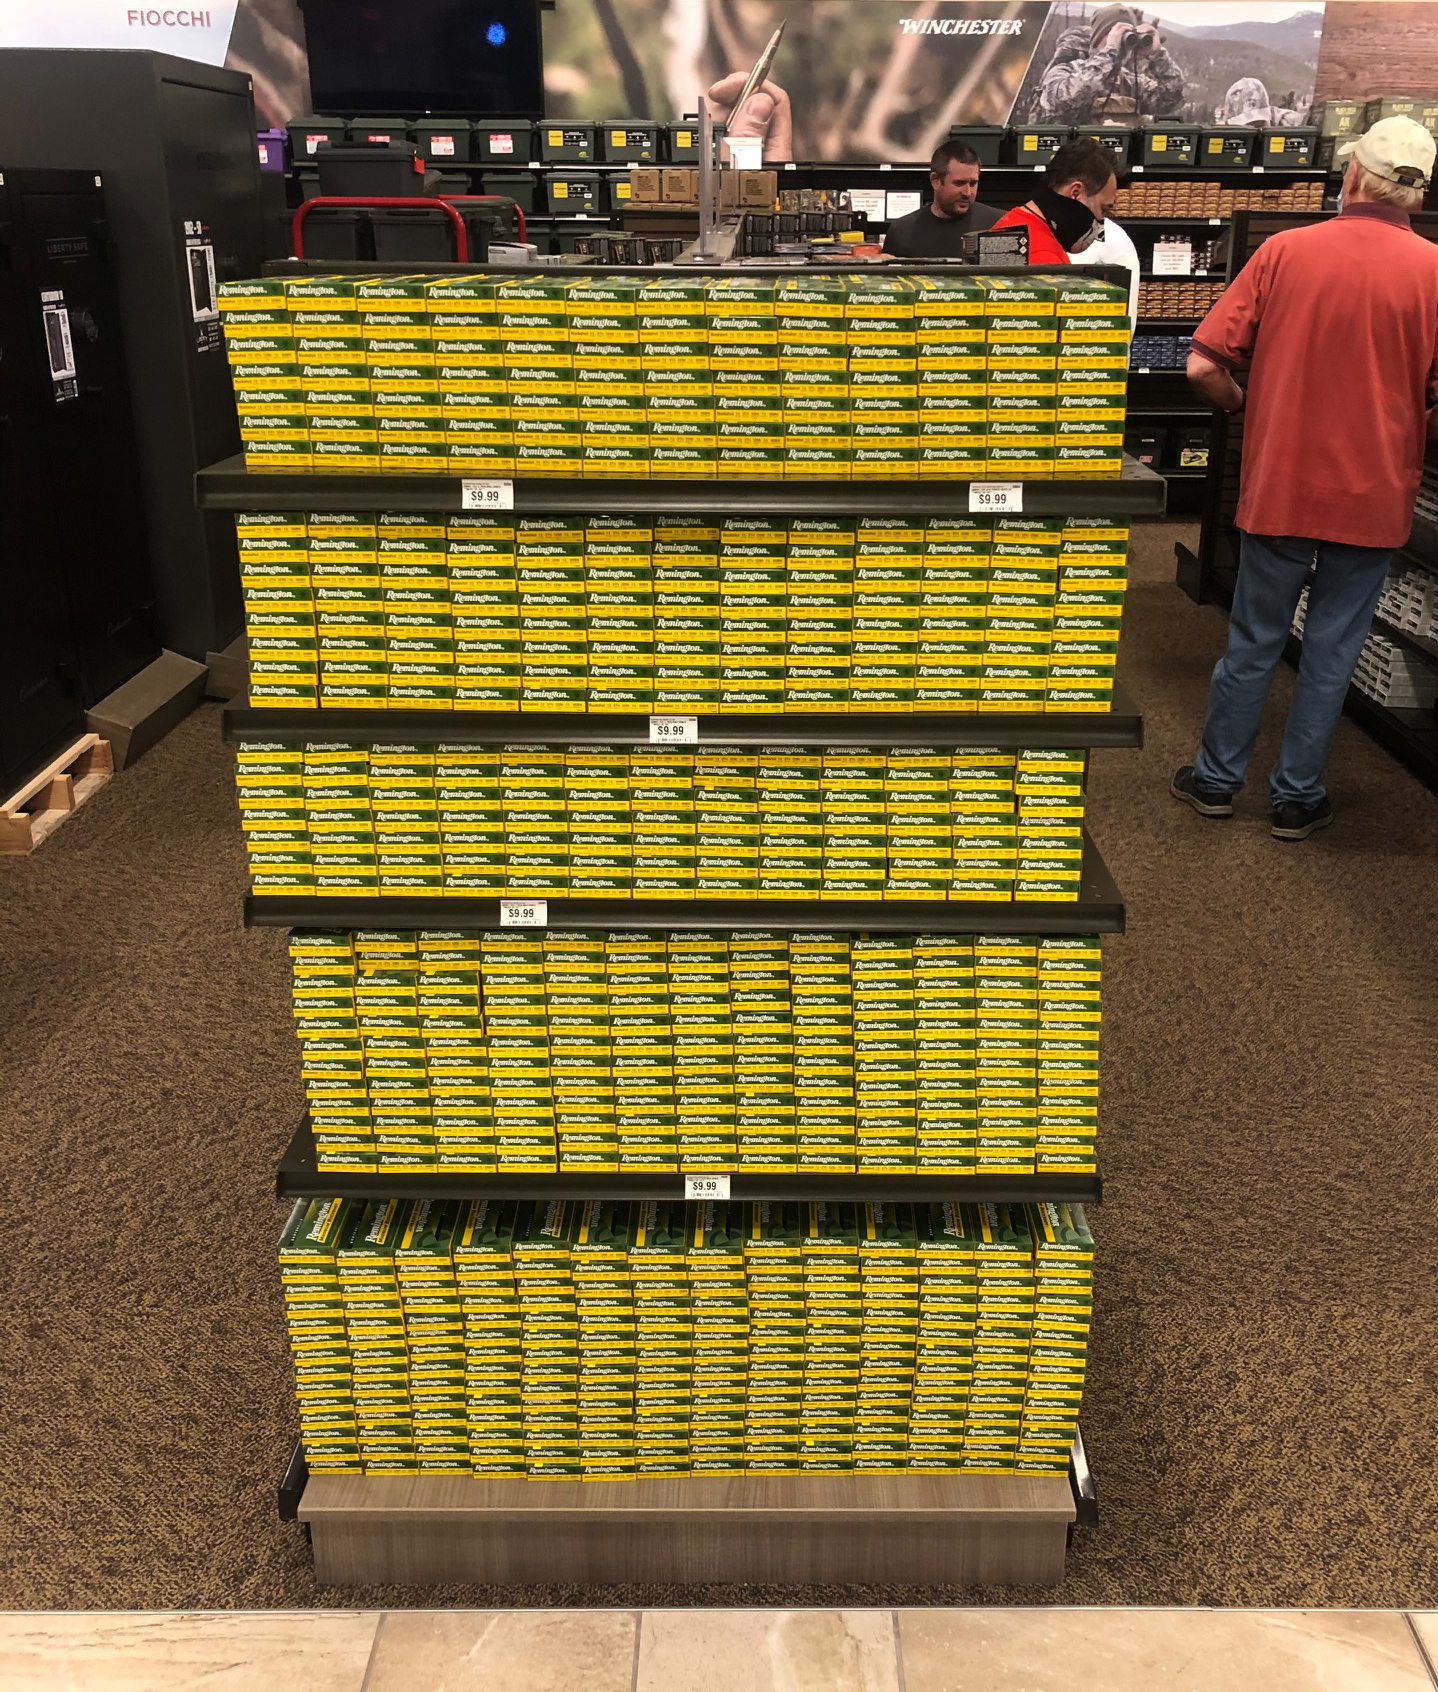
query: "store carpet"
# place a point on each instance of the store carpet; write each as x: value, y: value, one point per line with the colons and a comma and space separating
x: 1260, y: 1412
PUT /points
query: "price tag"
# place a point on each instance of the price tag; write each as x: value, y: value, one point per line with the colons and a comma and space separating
x: 673, y: 731
x: 996, y: 496
x: 706, y: 1187
x: 523, y: 913
x: 1216, y: 222
x: 1135, y: 170
x: 1172, y: 258
x: 1258, y: 170
x: 886, y: 167
x: 1143, y: 370
x: 486, y: 493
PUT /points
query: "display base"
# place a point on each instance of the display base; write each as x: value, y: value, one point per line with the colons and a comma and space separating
x: 144, y: 710
x: 228, y: 672
x: 922, y: 1530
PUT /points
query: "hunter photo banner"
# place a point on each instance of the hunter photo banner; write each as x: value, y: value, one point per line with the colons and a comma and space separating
x: 856, y: 81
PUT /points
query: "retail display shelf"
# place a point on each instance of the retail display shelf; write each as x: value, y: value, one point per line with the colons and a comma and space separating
x: 298, y: 1176
x: 1414, y: 643
x: 1410, y: 735
x: 229, y: 486
x: 1152, y: 322
x: 1208, y: 220
x: 1097, y: 910
x: 1422, y: 541
x: 1120, y: 726
x: 922, y: 1529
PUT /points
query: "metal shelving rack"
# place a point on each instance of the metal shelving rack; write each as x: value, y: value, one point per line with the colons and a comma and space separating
x: 1097, y: 910
x: 844, y: 1528
x: 298, y: 1176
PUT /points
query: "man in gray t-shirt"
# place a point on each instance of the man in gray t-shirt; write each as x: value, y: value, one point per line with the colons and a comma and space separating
x: 937, y: 230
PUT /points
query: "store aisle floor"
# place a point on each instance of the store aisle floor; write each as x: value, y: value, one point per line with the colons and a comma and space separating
x: 855, y: 1650
x: 1260, y: 1409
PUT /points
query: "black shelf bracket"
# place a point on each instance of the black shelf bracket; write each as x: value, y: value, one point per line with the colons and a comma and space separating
x: 229, y: 486
x: 1122, y: 726
x: 299, y: 1176
x: 292, y: 1485
x: 1097, y: 910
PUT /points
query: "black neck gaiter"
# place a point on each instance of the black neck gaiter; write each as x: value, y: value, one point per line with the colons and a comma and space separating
x: 1069, y: 219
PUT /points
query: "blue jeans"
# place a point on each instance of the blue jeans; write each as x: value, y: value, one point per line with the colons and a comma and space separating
x: 1341, y: 599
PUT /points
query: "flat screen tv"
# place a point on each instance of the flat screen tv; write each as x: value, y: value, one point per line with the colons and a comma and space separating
x: 404, y: 58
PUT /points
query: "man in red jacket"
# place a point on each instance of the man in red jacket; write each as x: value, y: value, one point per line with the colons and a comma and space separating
x: 1340, y: 321
x: 1066, y: 213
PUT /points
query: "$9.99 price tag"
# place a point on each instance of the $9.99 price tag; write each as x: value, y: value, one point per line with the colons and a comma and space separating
x: 673, y: 731
x: 478, y: 493
x: 706, y: 1187
x: 996, y: 496
x: 523, y: 913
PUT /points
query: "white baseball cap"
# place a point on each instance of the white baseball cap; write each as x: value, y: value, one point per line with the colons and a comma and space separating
x: 1397, y: 149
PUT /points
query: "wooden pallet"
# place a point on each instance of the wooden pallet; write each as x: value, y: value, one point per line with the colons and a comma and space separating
x: 43, y: 803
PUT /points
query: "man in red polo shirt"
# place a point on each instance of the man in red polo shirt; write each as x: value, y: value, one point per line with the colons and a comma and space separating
x: 1340, y: 321
x: 1066, y: 213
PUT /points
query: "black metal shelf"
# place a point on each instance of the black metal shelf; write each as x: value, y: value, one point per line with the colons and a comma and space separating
x: 1097, y: 910
x: 1410, y: 735
x: 1422, y: 542
x: 1272, y: 174
x: 298, y: 1176
x: 1413, y: 643
x: 1208, y: 220
x: 1160, y: 322
x: 229, y: 486
x: 1121, y: 726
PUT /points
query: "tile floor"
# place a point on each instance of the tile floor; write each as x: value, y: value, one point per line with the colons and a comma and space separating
x: 988, y: 1650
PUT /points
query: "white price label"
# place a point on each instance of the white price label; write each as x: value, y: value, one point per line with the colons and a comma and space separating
x: 523, y: 913
x: 442, y: 146
x: 501, y: 143
x: 1216, y: 221
x: 996, y: 496
x: 1258, y: 170
x: 1136, y: 170
x: 703, y: 1187
x: 673, y: 731
x: 486, y: 493
x: 1172, y: 258
x: 886, y: 167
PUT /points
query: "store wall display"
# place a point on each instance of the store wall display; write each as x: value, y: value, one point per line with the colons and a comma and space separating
x: 519, y: 1053
x: 1176, y: 298
x: 654, y: 822
x: 1370, y: 48
x: 612, y: 1341
x: 815, y: 374
x: 627, y: 613
x: 1209, y: 198
x: 1391, y: 673
x: 656, y: 61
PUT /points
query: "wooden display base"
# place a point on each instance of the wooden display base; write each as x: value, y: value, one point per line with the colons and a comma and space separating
x: 43, y: 803
x: 790, y: 1529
